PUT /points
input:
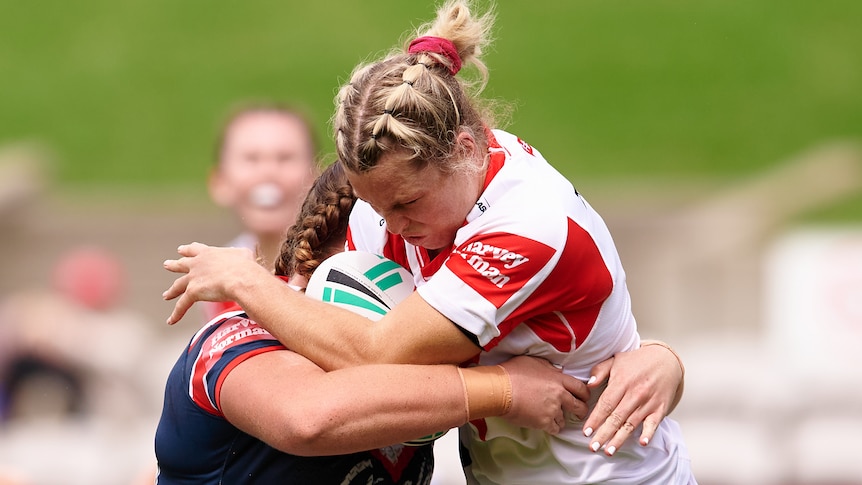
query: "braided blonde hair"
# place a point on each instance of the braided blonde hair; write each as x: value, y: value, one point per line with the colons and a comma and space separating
x: 411, y: 100
x: 321, y: 225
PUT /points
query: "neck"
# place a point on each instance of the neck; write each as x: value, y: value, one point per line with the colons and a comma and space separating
x: 268, y: 249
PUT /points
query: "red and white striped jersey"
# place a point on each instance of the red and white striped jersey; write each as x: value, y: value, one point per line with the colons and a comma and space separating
x: 533, y: 270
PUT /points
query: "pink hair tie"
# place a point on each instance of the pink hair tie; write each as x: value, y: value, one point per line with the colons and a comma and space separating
x: 437, y: 45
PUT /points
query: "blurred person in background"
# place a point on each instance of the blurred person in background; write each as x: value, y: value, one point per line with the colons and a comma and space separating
x: 265, y: 163
x: 79, y: 374
x: 74, y: 341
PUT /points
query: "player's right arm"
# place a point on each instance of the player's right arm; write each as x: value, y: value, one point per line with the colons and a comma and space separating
x: 333, y: 338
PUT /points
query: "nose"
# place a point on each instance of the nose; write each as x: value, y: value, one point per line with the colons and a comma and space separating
x: 270, y: 168
x: 396, y: 224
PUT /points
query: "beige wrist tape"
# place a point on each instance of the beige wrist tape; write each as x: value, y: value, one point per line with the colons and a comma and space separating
x: 487, y: 391
x: 679, y: 390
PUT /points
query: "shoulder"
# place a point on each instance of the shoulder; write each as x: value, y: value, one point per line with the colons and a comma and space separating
x: 218, y: 349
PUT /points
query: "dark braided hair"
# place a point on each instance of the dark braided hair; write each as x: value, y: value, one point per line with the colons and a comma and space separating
x: 321, y: 225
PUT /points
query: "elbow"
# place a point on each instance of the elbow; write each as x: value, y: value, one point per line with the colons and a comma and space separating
x: 306, y: 433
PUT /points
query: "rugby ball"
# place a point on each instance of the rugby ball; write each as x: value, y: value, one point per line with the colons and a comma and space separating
x: 367, y: 284
x: 361, y: 282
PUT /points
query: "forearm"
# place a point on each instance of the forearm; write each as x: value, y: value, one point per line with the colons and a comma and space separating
x: 375, y: 406
x: 335, y: 338
x: 329, y: 336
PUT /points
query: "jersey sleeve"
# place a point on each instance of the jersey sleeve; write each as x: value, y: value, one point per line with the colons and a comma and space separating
x: 235, y: 340
x: 552, y: 276
x: 486, y: 278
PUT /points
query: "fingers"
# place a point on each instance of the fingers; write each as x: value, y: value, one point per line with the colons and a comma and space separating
x: 575, y: 410
x: 607, y: 403
x: 623, y: 433
x: 617, y: 418
x: 176, y: 265
x: 180, y: 308
x: 178, y: 287
x: 191, y: 250
x: 570, y: 407
x: 650, y: 425
x: 600, y: 373
x: 577, y: 403
x: 557, y: 424
x: 576, y: 387
x: 183, y: 303
x: 181, y: 265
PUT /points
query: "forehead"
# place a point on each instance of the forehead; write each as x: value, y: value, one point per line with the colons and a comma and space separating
x: 393, y: 180
x: 262, y: 127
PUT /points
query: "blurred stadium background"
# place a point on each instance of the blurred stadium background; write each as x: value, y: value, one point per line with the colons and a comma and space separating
x: 720, y: 140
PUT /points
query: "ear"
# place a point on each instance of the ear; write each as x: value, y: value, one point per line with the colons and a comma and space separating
x: 468, y: 147
x: 221, y: 192
x: 467, y: 144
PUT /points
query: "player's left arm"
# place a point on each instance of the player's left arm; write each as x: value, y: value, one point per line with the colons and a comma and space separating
x: 296, y: 407
x: 285, y: 400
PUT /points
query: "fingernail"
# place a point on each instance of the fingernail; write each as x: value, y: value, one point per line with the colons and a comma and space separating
x: 588, y: 432
x: 611, y: 450
x: 592, y: 379
x: 595, y: 446
x: 645, y: 441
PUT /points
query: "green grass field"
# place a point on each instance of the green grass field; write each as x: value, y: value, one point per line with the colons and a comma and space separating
x: 130, y: 93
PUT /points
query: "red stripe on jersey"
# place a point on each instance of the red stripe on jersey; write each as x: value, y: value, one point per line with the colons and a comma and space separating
x: 435, y: 264
x: 576, y: 288
x: 234, y: 331
x: 394, y: 249
x: 526, y: 146
x: 351, y: 246
x: 496, y: 158
x: 396, y: 469
x: 481, y: 428
x: 212, y: 309
x: 550, y: 329
x: 232, y: 365
x: 498, y: 265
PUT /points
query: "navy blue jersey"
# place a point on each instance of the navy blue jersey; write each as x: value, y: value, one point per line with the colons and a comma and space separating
x: 195, y: 444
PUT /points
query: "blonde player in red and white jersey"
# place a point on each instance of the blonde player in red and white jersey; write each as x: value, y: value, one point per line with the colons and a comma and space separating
x: 508, y: 258
x: 530, y: 243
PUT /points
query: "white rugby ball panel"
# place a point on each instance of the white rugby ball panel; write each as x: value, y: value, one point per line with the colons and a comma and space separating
x: 364, y: 283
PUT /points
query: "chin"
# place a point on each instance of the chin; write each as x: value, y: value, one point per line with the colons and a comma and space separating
x: 268, y: 229
x: 434, y: 246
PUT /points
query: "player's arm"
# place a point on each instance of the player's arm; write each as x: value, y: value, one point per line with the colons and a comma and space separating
x: 294, y: 406
x: 412, y: 333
